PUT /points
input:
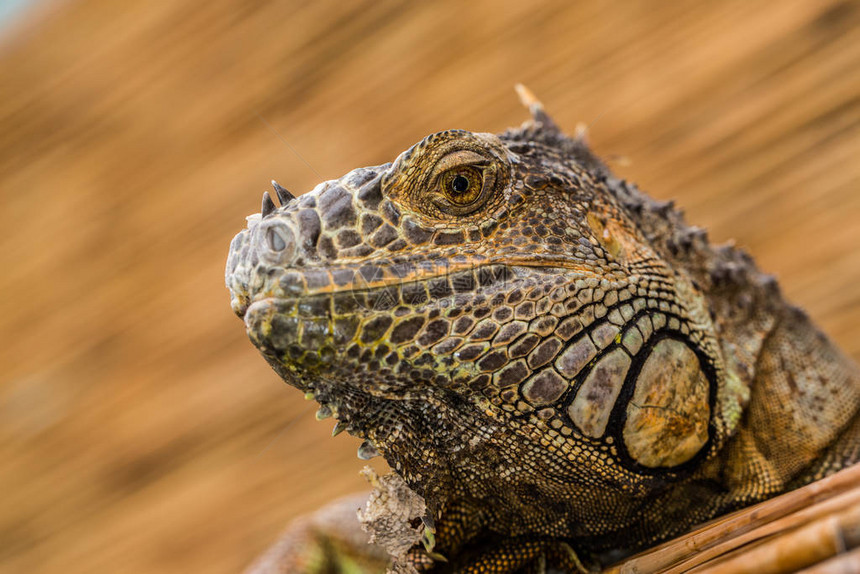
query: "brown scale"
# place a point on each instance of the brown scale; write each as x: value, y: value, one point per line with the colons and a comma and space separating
x: 557, y: 364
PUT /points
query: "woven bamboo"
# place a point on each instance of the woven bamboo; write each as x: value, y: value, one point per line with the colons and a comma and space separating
x: 816, y: 528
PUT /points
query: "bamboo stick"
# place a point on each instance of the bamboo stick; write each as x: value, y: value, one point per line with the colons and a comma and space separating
x: 741, y: 531
x: 848, y: 563
x: 789, y: 550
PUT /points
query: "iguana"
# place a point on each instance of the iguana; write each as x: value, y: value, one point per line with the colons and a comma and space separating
x: 559, y: 366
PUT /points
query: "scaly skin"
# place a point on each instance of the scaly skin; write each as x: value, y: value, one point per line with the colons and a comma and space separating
x: 547, y: 356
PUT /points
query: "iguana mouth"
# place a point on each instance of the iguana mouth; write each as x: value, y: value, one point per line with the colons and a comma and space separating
x: 384, y: 285
x: 369, y: 325
x: 372, y: 288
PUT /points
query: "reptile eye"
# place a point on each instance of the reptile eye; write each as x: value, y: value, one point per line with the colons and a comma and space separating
x: 463, y: 186
x: 461, y: 182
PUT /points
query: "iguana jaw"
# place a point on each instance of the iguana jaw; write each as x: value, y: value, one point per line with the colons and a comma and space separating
x: 371, y: 338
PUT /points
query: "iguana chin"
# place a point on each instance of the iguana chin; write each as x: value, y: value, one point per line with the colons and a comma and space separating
x: 557, y: 364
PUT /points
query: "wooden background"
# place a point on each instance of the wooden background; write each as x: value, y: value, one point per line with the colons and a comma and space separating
x: 139, y: 430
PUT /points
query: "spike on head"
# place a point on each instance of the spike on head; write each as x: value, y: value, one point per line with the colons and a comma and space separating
x: 536, y: 109
x: 268, y: 205
x: 284, y: 196
x: 541, y: 128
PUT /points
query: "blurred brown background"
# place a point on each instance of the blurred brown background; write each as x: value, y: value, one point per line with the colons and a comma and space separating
x: 139, y: 430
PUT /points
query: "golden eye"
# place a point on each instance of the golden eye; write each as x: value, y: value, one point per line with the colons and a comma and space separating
x: 463, y: 185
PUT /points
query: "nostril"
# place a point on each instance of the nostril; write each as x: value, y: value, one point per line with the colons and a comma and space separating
x: 278, y: 241
x: 275, y: 240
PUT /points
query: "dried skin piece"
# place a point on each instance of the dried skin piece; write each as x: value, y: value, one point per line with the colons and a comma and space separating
x: 389, y: 515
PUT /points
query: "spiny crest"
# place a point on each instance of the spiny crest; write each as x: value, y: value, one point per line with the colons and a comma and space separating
x: 541, y: 128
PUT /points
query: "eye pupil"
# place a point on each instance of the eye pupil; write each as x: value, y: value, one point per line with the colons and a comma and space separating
x: 460, y: 183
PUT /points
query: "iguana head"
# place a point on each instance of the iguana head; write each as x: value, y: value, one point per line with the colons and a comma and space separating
x: 486, y: 313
